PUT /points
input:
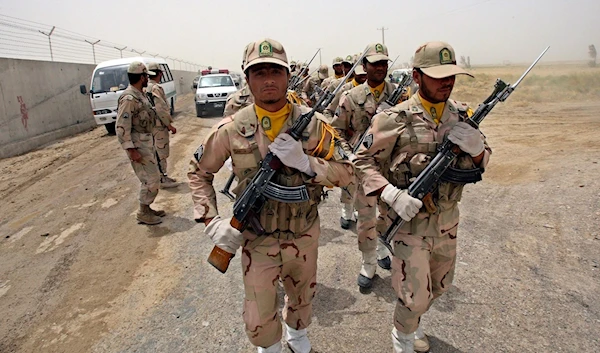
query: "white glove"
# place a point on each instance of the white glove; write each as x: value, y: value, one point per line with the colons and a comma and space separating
x: 467, y: 138
x: 405, y: 205
x: 290, y: 153
x: 223, y: 234
x: 229, y: 164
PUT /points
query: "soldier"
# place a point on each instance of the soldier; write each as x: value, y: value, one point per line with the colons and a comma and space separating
x: 360, y: 76
x: 292, y: 67
x: 356, y: 108
x: 288, y: 249
x: 242, y: 97
x: 399, y: 144
x: 338, y: 72
x: 163, y: 124
x: 135, y: 125
x: 309, y: 93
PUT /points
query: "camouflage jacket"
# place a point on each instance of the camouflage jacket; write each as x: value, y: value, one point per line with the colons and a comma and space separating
x: 135, y: 117
x: 240, y: 99
x: 160, y: 104
x: 399, y: 144
x: 354, y: 112
x: 243, y: 138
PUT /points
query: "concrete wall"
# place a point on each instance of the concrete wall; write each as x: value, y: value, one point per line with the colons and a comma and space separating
x: 40, y: 102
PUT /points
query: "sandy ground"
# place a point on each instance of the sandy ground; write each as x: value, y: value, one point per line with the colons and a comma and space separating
x: 78, y: 274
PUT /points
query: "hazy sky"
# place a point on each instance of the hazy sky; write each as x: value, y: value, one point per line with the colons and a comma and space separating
x: 215, y: 33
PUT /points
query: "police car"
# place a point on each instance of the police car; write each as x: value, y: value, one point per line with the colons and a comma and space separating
x: 214, y: 86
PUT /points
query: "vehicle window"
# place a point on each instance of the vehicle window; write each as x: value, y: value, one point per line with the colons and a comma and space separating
x: 110, y: 79
x: 215, y: 81
x: 166, y: 73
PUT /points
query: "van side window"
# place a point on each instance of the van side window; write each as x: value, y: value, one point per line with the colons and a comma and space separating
x: 167, y: 77
x: 163, y: 78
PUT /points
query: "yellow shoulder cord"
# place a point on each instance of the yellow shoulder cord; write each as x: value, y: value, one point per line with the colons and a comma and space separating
x: 325, y: 130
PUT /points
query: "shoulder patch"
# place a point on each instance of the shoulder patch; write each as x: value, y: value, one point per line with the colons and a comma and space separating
x: 368, y: 141
x: 199, y: 153
x: 128, y: 97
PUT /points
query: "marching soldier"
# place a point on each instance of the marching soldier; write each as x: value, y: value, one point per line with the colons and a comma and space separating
x: 288, y: 249
x: 338, y: 72
x: 399, y: 144
x: 135, y: 125
x: 314, y: 83
x: 356, y: 108
x: 360, y: 76
x: 163, y: 124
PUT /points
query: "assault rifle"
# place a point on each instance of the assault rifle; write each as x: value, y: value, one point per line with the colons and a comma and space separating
x: 295, y: 80
x: 428, y: 179
x: 388, y: 103
x: 249, y: 204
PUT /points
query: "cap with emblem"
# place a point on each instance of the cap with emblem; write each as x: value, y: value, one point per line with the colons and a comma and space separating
x: 437, y: 60
x: 323, y: 72
x: 138, y: 67
x: 153, y: 68
x: 349, y: 59
x: 359, y: 70
x: 266, y: 51
x: 377, y: 52
x: 337, y: 61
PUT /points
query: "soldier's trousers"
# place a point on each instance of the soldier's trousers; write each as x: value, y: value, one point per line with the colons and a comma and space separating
x: 161, y: 144
x: 422, y: 270
x: 369, y: 224
x: 265, y: 260
x: 146, y: 170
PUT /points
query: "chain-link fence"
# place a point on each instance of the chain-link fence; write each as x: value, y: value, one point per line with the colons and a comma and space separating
x: 22, y: 39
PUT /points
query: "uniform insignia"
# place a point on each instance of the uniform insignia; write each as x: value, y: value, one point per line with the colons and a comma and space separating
x: 414, y: 109
x: 378, y: 48
x: 125, y: 115
x: 199, y: 152
x: 337, y: 111
x: 377, y: 94
x: 266, y: 123
x: 349, y: 58
x: 446, y: 57
x: 452, y: 108
x: 368, y: 142
x: 265, y: 49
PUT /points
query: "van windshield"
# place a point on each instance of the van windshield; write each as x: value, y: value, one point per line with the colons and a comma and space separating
x: 110, y: 79
x: 215, y: 81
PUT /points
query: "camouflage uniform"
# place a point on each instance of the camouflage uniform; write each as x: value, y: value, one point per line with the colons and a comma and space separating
x: 327, y: 81
x: 399, y: 144
x: 161, y: 133
x: 288, y: 249
x: 240, y: 99
x: 135, y: 126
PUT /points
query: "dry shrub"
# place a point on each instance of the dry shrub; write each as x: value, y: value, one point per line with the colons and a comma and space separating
x: 544, y: 84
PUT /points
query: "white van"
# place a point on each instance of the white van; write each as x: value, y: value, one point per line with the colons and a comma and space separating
x: 110, y: 79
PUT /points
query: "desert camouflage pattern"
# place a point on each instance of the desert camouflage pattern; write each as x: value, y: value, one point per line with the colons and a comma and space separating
x: 289, y: 248
x: 400, y: 142
x: 161, y: 133
x: 356, y: 108
x: 240, y: 99
x: 265, y: 260
x: 135, y: 126
x: 330, y: 109
x: 309, y: 89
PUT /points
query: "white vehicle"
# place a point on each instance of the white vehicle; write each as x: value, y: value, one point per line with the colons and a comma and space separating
x: 212, y: 91
x: 110, y: 79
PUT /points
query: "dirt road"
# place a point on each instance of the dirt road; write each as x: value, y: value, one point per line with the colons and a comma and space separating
x: 78, y: 274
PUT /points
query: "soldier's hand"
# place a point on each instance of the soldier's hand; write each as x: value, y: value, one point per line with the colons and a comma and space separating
x: 405, y: 205
x: 290, y: 153
x: 172, y: 129
x: 469, y: 139
x: 223, y: 234
x: 134, y: 154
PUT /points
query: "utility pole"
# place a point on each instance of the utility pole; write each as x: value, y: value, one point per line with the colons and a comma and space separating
x: 382, y: 29
x: 93, y: 47
x: 49, y: 41
x: 121, y: 50
x: 140, y: 53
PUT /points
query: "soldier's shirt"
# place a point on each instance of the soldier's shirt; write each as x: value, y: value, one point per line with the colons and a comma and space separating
x: 160, y: 103
x: 272, y: 122
x: 435, y: 110
x: 135, y: 115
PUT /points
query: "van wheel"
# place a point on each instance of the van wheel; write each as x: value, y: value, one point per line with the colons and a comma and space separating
x: 198, y: 112
x: 172, y: 112
x: 110, y: 128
